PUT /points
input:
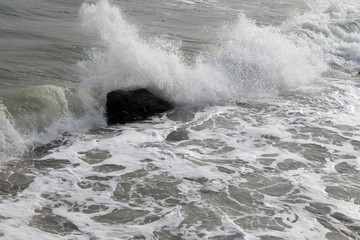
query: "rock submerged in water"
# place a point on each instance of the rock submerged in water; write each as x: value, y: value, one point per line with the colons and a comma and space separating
x: 128, y: 106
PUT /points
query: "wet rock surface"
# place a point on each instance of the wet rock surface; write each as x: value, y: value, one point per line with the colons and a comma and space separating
x: 128, y: 106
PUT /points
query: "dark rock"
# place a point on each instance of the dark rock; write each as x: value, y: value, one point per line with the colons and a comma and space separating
x: 178, y: 135
x: 128, y: 106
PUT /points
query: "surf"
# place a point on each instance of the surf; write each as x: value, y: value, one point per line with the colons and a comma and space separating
x: 250, y: 63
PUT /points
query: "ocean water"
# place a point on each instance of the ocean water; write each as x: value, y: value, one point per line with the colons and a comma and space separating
x: 264, y: 142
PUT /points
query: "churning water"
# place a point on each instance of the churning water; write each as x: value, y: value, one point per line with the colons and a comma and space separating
x: 264, y: 142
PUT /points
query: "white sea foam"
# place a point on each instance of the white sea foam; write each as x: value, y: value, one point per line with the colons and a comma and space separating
x: 224, y: 181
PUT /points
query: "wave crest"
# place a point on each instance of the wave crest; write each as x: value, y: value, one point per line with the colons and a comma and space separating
x: 253, y: 61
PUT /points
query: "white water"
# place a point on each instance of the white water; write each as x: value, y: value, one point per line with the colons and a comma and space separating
x: 331, y: 29
x: 233, y: 168
x: 243, y: 66
x: 282, y: 164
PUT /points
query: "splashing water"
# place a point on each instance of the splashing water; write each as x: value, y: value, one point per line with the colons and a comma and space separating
x: 243, y: 67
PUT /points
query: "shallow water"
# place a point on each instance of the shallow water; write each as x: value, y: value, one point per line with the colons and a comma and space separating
x: 263, y: 144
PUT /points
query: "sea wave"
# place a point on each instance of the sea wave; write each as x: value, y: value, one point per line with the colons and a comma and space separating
x: 251, y: 62
x: 331, y: 29
x: 11, y: 142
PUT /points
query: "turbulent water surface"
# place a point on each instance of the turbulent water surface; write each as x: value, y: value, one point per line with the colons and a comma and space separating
x: 264, y: 142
